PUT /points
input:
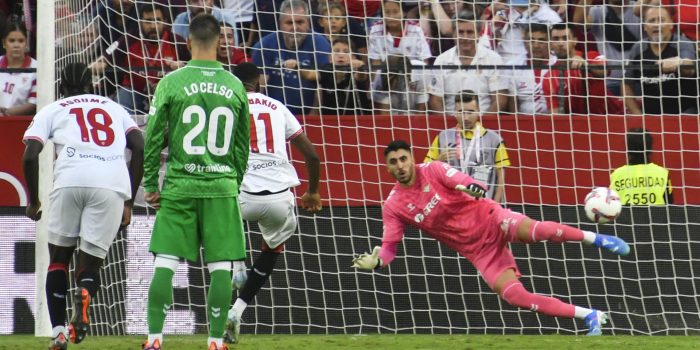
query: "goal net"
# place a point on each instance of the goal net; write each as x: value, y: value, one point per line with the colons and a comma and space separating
x: 557, y: 154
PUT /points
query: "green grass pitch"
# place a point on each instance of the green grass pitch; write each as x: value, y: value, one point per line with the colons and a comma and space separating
x: 379, y: 342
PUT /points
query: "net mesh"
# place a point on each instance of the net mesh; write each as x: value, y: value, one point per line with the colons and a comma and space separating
x: 555, y: 160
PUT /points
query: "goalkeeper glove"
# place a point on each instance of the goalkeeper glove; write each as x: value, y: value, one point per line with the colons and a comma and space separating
x: 368, y: 261
x: 473, y: 189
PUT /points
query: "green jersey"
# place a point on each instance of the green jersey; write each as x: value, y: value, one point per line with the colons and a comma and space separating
x: 200, y: 112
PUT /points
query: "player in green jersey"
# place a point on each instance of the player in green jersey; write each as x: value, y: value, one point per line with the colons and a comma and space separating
x: 200, y: 112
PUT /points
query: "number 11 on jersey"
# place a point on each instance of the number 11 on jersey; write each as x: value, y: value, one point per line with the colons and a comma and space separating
x: 268, y: 140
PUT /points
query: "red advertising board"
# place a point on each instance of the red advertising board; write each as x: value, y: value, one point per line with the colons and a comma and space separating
x: 12, y: 188
x: 555, y: 159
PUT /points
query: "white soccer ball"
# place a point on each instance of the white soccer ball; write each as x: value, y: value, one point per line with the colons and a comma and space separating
x: 602, y: 205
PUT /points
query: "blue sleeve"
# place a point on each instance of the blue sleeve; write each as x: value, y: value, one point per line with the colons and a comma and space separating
x: 256, y: 51
x: 324, y: 49
x: 181, y: 25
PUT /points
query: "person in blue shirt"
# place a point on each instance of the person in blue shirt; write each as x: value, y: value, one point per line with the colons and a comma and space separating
x: 295, y: 40
x: 181, y: 24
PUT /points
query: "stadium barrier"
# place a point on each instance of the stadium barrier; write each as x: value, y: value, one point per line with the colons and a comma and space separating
x: 555, y: 159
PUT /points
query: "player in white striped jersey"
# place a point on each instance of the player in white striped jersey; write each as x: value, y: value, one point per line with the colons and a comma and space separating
x: 265, y: 192
x: 92, y: 194
x: 17, y: 90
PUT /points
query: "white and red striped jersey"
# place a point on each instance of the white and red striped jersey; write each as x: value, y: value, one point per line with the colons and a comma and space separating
x: 412, y: 42
x: 17, y: 88
x: 536, y: 90
x: 89, y: 133
x: 271, y: 126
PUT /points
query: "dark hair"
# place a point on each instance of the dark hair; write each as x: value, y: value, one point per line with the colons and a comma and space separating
x: 639, y: 146
x: 561, y: 26
x: 204, y: 28
x: 467, y: 96
x: 142, y: 9
x: 14, y: 26
x: 538, y: 28
x: 465, y: 16
x: 395, y: 146
x: 76, y: 79
x: 247, y: 72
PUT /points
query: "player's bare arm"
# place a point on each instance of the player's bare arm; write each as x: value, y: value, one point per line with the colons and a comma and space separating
x: 311, y: 200
x: 31, y: 175
x: 135, y: 143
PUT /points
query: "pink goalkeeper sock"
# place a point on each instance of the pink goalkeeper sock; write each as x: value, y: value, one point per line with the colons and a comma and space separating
x: 515, y: 294
x: 554, y: 231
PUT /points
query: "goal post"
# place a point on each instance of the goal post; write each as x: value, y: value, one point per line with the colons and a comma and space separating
x: 46, y: 92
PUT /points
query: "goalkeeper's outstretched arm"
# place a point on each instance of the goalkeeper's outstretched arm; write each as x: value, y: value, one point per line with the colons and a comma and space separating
x: 393, y: 234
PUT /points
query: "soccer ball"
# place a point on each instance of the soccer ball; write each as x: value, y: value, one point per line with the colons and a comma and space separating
x: 602, y: 205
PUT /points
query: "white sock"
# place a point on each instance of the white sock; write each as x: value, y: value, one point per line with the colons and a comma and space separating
x: 58, y: 330
x: 581, y: 312
x: 238, y: 265
x: 589, y: 237
x: 239, y: 306
x: 153, y: 337
x: 219, y: 341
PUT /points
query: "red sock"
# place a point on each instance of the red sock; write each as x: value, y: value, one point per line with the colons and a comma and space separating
x: 515, y: 294
x: 553, y: 231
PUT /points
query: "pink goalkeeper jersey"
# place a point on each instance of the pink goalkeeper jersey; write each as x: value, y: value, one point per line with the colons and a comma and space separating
x: 433, y: 205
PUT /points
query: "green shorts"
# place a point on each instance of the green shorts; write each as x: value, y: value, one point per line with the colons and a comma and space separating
x: 183, y: 224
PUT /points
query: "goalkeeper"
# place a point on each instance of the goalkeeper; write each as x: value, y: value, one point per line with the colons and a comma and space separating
x: 201, y: 112
x: 445, y: 203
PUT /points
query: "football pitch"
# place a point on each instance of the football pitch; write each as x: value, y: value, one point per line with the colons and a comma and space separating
x: 380, y: 342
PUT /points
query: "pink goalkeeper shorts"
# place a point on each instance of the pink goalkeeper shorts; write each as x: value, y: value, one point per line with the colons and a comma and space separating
x: 495, y: 257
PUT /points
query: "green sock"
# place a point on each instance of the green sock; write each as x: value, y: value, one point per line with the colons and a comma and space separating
x: 160, y: 299
x: 218, y: 302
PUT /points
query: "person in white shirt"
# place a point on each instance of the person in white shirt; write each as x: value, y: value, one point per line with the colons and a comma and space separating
x: 395, y: 36
x: 17, y: 90
x: 489, y: 84
x: 265, y: 191
x: 511, y: 23
x: 93, y: 191
x: 536, y: 90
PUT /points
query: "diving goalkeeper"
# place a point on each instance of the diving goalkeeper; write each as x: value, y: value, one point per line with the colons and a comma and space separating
x: 447, y: 205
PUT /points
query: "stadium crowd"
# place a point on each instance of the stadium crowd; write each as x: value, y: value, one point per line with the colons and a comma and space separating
x: 364, y: 57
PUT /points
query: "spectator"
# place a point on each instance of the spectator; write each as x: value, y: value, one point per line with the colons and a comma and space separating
x: 342, y: 83
x: 243, y: 13
x: 228, y: 54
x: 117, y: 18
x: 195, y: 7
x: 616, y: 29
x: 397, y: 89
x: 294, y: 41
x: 487, y: 83
x: 157, y: 51
x: 18, y: 95
x: 509, y: 24
x: 266, y: 12
x: 472, y: 148
x: 672, y: 87
x: 394, y: 36
x: 436, y: 25
x: 334, y: 23
x: 584, y: 76
x: 641, y: 182
x: 534, y: 90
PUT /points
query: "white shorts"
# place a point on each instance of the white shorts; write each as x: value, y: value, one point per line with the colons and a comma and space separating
x: 274, y: 213
x: 93, y: 214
